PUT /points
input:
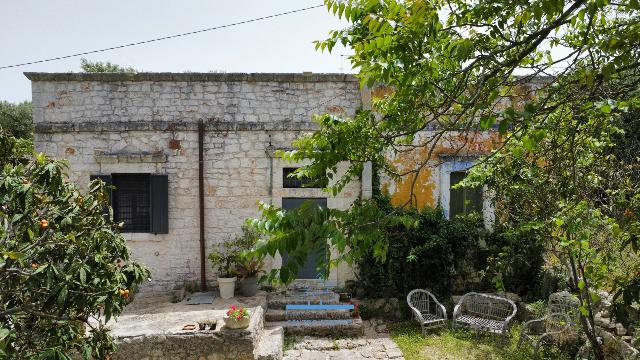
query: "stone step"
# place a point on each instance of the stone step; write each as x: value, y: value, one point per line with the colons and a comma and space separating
x: 282, y: 315
x: 279, y: 301
x: 271, y: 344
x: 327, y: 328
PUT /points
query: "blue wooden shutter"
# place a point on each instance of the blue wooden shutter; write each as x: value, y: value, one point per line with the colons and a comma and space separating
x: 159, y: 204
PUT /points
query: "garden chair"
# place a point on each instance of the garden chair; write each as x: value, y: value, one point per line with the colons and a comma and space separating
x: 427, y: 310
x: 484, y: 312
x: 557, y: 327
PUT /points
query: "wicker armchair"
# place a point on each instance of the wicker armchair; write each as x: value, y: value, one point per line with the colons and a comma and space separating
x: 484, y: 312
x: 427, y: 310
x: 557, y: 327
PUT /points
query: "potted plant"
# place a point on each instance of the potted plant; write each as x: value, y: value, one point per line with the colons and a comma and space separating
x: 236, y: 318
x: 224, y: 260
x: 249, y: 267
x: 249, y: 264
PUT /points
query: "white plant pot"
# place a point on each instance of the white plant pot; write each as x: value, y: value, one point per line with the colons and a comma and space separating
x: 227, y: 287
x: 233, y: 323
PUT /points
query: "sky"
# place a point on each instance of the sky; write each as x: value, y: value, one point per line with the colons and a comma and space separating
x: 38, y: 29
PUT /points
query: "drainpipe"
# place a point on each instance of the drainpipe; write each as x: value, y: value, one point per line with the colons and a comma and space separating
x: 203, y: 279
x: 269, y: 150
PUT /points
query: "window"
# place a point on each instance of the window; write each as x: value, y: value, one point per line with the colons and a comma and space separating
x: 132, y: 202
x: 292, y: 181
x: 140, y: 201
x: 463, y: 200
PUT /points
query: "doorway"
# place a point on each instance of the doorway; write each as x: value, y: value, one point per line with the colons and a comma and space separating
x: 308, y: 271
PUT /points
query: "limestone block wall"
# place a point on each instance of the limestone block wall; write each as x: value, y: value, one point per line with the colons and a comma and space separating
x: 146, y: 123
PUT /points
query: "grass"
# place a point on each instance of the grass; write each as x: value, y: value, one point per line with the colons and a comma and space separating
x: 290, y: 342
x: 457, y: 344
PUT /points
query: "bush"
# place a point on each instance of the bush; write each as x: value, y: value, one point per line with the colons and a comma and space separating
x: 64, y: 267
x: 430, y: 255
x: 449, y: 256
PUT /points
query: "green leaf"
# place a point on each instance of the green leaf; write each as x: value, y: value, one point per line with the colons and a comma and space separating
x: 584, y: 311
x: 487, y: 121
x: 62, y: 295
x: 83, y: 276
x: 606, y: 108
x: 13, y: 255
x: 504, y: 126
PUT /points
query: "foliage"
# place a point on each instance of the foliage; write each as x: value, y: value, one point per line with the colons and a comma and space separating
x: 104, y: 67
x: 235, y: 257
x: 574, y: 188
x: 64, y: 267
x: 428, y: 255
x: 16, y: 119
x: 249, y: 264
x: 238, y: 313
x: 515, y: 262
x: 224, y: 258
x: 310, y: 228
x: 450, y: 257
x: 451, y: 66
x: 539, y: 309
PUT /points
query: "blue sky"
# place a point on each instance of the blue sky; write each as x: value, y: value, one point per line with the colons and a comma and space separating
x: 37, y: 29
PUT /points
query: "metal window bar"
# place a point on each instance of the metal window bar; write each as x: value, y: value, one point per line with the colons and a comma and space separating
x: 291, y: 181
x: 131, y: 202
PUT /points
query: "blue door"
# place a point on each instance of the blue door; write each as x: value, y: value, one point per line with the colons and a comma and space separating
x: 308, y: 271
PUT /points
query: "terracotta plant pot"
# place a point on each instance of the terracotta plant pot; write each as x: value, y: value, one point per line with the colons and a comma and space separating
x: 249, y: 286
x: 233, y: 323
x: 227, y: 287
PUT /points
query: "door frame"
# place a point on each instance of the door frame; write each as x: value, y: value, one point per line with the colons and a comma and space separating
x: 332, y: 280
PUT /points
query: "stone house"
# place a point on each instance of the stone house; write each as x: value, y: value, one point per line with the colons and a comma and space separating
x: 176, y: 143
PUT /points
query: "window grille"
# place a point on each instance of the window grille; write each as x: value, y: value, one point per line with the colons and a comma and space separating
x: 292, y: 181
x: 132, y: 202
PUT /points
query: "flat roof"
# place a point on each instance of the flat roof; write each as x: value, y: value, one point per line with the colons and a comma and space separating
x: 192, y: 77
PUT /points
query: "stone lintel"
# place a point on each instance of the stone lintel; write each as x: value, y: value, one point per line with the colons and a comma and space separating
x: 127, y: 157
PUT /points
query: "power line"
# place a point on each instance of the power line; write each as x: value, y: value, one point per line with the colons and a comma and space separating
x: 162, y: 38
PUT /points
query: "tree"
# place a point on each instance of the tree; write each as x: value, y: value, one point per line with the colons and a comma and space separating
x: 64, y: 267
x: 16, y: 119
x: 553, y: 78
x: 103, y: 67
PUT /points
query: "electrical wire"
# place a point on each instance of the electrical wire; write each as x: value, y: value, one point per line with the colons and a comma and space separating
x: 161, y: 38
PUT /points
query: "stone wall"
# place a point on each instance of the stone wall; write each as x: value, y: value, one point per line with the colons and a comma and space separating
x: 146, y: 123
x: 218, y: 344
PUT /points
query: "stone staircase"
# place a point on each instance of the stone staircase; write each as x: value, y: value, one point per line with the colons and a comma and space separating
x: 312, y: 313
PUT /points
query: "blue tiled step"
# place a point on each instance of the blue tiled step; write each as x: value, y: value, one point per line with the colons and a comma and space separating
x: 280, y: 301
x: 317, y: 307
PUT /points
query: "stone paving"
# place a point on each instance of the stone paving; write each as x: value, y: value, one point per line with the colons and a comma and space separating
x: 375, y: 344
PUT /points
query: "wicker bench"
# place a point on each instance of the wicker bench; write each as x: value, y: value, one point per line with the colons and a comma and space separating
x: 427, y: 310
x: 484, y: 312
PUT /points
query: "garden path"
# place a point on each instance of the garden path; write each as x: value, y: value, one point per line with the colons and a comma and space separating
x: 375, y: 344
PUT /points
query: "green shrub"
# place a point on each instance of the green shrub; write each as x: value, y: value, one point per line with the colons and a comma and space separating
x: 449, y: 256
x: 64, y: 267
